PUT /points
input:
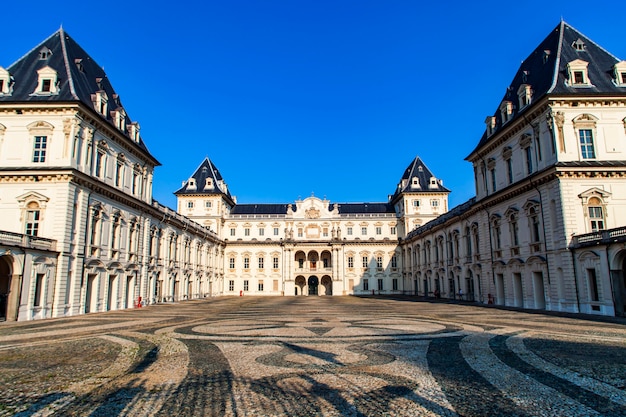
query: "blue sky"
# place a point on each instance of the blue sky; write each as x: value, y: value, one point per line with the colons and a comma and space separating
x: 291, y: 97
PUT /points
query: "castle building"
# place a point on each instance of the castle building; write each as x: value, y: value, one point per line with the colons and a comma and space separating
x: 546, y: 228
x: 80, y: 231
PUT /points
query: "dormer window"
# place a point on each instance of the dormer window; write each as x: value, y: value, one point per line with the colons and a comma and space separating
x: 506, y: 111
x: 191, y: 184
x: 5, y: 82
x: 578, y: 45
x: 525, y: 94
x: 119, y: 118
x: 577, y: 73
x: 45, y: 53
x: 490, y: 121
x: 208, y: 184
x: 100, y: 102
x: 415, y: 182
x: 47, y: 82
x: 433, y: 182
x: 133, y: 131
x: 546, y: 56
x: 619, y: 71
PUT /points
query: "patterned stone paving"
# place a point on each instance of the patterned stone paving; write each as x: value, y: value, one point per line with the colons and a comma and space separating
x: 313, y: 356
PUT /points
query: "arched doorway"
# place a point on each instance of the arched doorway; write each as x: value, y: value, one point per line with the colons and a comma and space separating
x: 327, y: 285
x: 300, y: 284
x: 5, y: 286
x: 618, y: 278
x: 313, y: 285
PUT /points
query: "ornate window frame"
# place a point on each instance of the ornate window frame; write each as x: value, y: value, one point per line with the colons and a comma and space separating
x: 601, y: 199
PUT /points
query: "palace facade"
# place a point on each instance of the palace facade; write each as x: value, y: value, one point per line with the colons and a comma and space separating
x: 80, y: 231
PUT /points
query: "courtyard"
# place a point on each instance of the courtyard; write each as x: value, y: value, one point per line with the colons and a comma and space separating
x: 313, y: 356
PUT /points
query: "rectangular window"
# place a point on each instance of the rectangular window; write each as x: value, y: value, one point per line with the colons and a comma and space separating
x: 119, y: 170
x: 46, y: 85
x: 366, y: 285
x: 380, y: 284
x: 529, y: 160
x: 349, y: 231
x: 586, y: 144
x: 579, y: 78
x: 276, y: 231
x: 300, y: 232
x: 596, y: 218
x: 350, y: 262
x: 275, y: 263
x: 246, y: 263
x: 593, y: 284
x: 32, y: 222
x: 39, y: 152
x: 416, y: 203
x: 231, y: 263
x: 246, y: 232
x: 365, y: 261
x: 394, y: 284
x: 99, y: 159
x: 392, y: 230
x: 207, y: 204
x: 434, y: 203
x: 232, y: 231
x: 245, y: 284
x: 189, y: 204
x: 379, y: 262
x: 493, y: 179
x: 394, y: 261
x: 260, y: 286
x: 363, y: 231
x: 300, y: 263
x: 509, y: 169
x: 231, y: 285
x: 261, y: 263
x: 379, y: 230
x: 38, y: 290
x: 325, y: 232
x: 261, y: 232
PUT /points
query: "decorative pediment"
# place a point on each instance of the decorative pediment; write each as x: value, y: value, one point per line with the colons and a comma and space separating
x: 594, y: 192
x: 31, y: 196
x: 313, y: 208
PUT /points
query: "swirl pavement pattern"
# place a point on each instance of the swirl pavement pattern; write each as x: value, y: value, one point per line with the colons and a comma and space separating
x: 314, y: 356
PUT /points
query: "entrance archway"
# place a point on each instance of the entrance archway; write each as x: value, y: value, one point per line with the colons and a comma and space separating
x: 618, y: 276
x: 300, y: 284
x: 327, y: 285
x: 5, y: 286
x: 313, y: 285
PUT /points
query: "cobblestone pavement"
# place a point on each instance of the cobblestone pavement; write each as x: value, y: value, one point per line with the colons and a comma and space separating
x: 313, y: 356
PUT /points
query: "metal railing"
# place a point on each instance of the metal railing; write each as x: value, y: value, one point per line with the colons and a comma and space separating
x: 601, y: 236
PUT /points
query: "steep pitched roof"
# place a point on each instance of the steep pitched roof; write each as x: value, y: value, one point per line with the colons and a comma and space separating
x: 199, y: 184
x: 79, y: 76
x: 545, y: 70
x: 418, y: 169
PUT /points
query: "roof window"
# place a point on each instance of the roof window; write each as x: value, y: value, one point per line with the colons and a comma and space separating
x: 191, y: 184
x: 619, y: 71
x: 79, y: 64
x: 47, y: 82
x: 208, y: 184
x: 506, y: 111
x: 45, y: 53
x: 577, y: 73
x: 578, y: 45
x: 524, y: 93
x: 490, y: 121
x: 415, y: 182
x: 119, y: 118
x: 546, y: 55
x: 100, y: 102
x: 133, y: 131
x: 5, y: 82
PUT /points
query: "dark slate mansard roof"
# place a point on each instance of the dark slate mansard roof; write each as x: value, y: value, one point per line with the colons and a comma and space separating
x: 206, y: 170
x: 79, y: 77
x: 417, y: 169
x: 545, y: 70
